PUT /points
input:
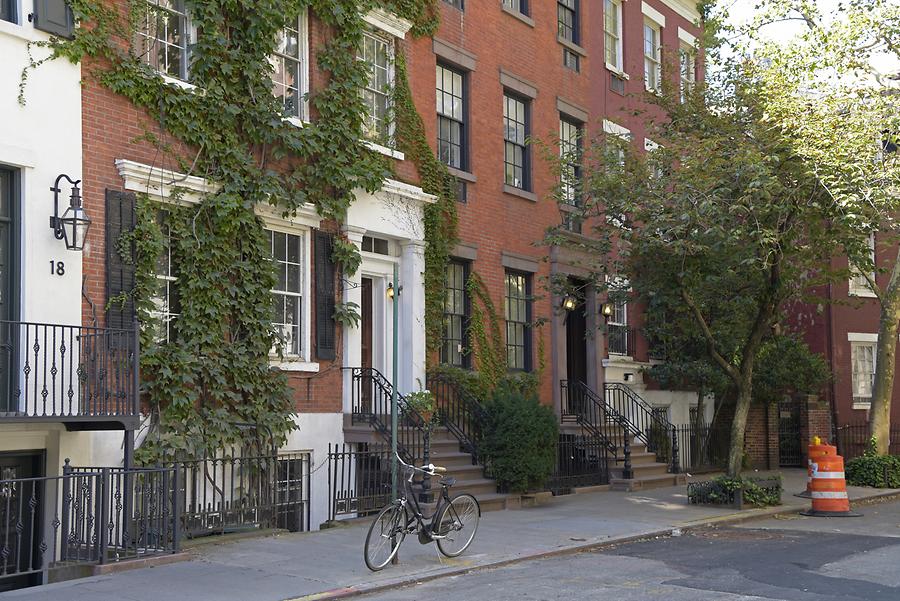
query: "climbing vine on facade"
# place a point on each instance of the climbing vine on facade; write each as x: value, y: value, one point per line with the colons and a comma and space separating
x: 210, y: 367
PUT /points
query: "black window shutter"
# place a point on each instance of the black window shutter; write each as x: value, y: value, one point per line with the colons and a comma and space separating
x: 120, y: 219
x: 325, y: 271
x: 54, y: 16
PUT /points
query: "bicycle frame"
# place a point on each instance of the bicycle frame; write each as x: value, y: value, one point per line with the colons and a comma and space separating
x: 418, y: 518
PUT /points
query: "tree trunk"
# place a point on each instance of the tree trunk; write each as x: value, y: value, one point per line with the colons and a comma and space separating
x: 738, y: 428
x: 885, y: 365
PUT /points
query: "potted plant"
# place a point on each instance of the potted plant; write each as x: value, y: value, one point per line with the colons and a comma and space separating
x: 422, y: 402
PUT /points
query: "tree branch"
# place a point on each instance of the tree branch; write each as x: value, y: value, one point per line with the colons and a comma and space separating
x: 710, y: 340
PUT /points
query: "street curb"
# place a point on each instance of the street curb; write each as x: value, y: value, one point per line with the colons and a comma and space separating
x: 735, y: 518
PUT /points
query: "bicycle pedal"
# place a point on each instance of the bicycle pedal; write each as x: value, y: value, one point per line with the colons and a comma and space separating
x: 424, y: 537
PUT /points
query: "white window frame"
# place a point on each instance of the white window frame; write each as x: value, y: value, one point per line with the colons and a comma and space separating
x: 862, y: 340
x: 303, y: 295
x: 859, y: 285
x: 617, y: 66
x: 652, y: 63
x: 303, y: 42
x: 162, y: 311
x: 183, y: 79
x: 687, y: 48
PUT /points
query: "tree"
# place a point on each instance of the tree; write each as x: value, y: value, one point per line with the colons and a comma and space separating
x: 831, y: 92
x: 724, y: 219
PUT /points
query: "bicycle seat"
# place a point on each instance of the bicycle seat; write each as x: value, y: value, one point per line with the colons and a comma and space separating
x: 448, y: 481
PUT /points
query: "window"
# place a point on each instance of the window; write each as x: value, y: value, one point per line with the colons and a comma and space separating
x: 862, y: 357
x: 859, y: 283
x: 378, y: 53
x: 515, y: 132
x: 379, y: 246
x: 619, y: 342
x: 164, y: 39
x: 567, y: 20
x: 652, y: 63
x: 688, y: 69
x: 8, y: 11
x: 287, y: 254
x: 456, y: 304
x: 520, y: 6
x: 571, y: 60
x: 570, y: 134
x: 451, y: 142
x: 289, y: 66
x: 612, y: 33
x: 166, y: 305
x: 518, y: 321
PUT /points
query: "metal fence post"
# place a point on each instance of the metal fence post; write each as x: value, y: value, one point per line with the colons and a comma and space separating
x: 626, y: 451
x: 100, y: 524
x: 176, y: 512
x: 675, y: 463
x: 64, y: 510
x: 425, y: 497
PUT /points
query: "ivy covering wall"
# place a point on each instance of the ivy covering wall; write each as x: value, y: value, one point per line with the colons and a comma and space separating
x: 214, y: 369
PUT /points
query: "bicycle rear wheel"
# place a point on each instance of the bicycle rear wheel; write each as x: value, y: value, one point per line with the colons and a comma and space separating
x: 385, y: 535
x: 457, y: 524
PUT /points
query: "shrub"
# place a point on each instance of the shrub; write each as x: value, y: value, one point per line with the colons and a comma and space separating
x: 757, y: 492
x: 879, y: 471
x: 520, y: 440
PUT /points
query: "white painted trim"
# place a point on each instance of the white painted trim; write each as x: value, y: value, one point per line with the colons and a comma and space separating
x: 388, y: 152
x: 685, y: 8
x: 295, y: 366
x: 388, y: 22
x: 407, y: 191
x: 650, y: 145
x: 614, y: 128
x: 860, y: 292
x: 865, y: 405
x: 15, y: 156
x: 653, y: 14
x: 687, y: 37
x: 617, y: 71
x: 178, y: 83
x: 861, y: 337
x: 14, y: 30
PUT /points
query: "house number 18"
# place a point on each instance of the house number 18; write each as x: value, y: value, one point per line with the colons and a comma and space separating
x: 57, y: 267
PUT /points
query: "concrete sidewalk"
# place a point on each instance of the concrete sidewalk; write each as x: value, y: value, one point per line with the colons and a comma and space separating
x: 329, y: 564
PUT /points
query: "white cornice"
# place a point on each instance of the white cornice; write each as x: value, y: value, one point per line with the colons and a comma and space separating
x: 653, y: 14
x: 388, y: 22
x: 406, y: 192
x: 163, y: 184
x: 687, y: 37
x: 685, y: 8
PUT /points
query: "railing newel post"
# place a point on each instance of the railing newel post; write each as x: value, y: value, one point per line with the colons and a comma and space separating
x: 100, y: 525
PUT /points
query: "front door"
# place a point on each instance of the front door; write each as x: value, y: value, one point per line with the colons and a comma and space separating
x: 8, y: 289
x: 21, y: 504
x: 366, y: 315
x: 576, y: 344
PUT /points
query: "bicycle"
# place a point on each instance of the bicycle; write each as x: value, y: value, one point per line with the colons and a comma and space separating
x: 453, y: 524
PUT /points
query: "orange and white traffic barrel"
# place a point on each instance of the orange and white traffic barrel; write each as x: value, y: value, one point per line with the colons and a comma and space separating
x: 814, y: 451
x: 829, y: 489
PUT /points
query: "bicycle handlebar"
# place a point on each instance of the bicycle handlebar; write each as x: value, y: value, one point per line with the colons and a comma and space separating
x: 430, y: 469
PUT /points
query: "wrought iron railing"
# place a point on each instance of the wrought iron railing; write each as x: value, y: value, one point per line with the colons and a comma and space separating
x: 460, y: 412
x: 853, y: 439
x: 359, y: 479
x: 231, y: 492
x: 580, y: 461
x: 84, y: 516
x: 68, y: 372
x: 702, y: 446
x: 620, y: 340
x: 371, y: 403
x: 645, y: 424
x: 583, y: 406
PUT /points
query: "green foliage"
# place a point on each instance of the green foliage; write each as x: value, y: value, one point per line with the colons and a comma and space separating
x: 520, y: 440
x: 488, y: 344
x: 756, y: 492
x: 346, y: 255
x: 347, y: 314
x: 872, y: 469
x: 786, y: 366
x: 214, y: 370
x: 422, y: 402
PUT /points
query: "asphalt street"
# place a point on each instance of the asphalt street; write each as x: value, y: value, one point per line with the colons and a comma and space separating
x: 791, y: 559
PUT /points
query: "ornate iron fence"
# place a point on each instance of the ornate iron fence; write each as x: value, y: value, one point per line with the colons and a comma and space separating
x: 580, y: 461
x: 67, y: 372
x: 359, y: 479
x: 702, y: 447
x: 647, y: 425
x: 85, y: 516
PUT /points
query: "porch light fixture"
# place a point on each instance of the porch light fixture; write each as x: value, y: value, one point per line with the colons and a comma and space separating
x: 392, y: 292
x: 607, y: 310
x: 74, y: 224
x: 569, y: 302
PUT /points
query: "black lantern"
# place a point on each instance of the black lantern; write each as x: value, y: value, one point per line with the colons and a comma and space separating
x: 569, y: 302
x: 73, y: 225
x: 607, y: 310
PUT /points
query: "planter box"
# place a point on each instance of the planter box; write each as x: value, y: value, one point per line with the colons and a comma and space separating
x: 711, y: 492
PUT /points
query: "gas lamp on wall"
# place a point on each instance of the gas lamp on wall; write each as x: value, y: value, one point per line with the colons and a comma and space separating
x: 607, y: 310
x: 74, y: 224
x: 569, y: 302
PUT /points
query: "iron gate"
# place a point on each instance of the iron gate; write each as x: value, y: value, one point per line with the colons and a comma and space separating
x: 790, y: 449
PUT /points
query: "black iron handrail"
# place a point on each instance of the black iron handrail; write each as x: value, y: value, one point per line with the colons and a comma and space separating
x: 65, y: 372
x: 371, y: 403
x: 647, y: 425
x: 460, y: 412
x: 583, y: 406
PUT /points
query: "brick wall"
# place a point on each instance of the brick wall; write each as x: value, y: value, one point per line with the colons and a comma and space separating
x: 761, y: 437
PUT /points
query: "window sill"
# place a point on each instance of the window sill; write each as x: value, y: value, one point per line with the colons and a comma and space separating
x: 388, y: 152
x: 861, y: 405
x: 862, y: 293
x: 178, y: 83
x: 616, y: 71
x: 520, y: 193
x: 297, y: 365
x: 296, y: 121
x: 14, y: 30
x: 463, y: 175
x: 517, y: 15
x: 571, y: 45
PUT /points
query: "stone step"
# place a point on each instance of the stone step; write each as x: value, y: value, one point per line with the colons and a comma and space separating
x: 447, y: 458
x: 647, y: 482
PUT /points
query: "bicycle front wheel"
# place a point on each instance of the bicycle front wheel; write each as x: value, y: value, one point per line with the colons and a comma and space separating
x: 455, y: 528
x: 385, y: 535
